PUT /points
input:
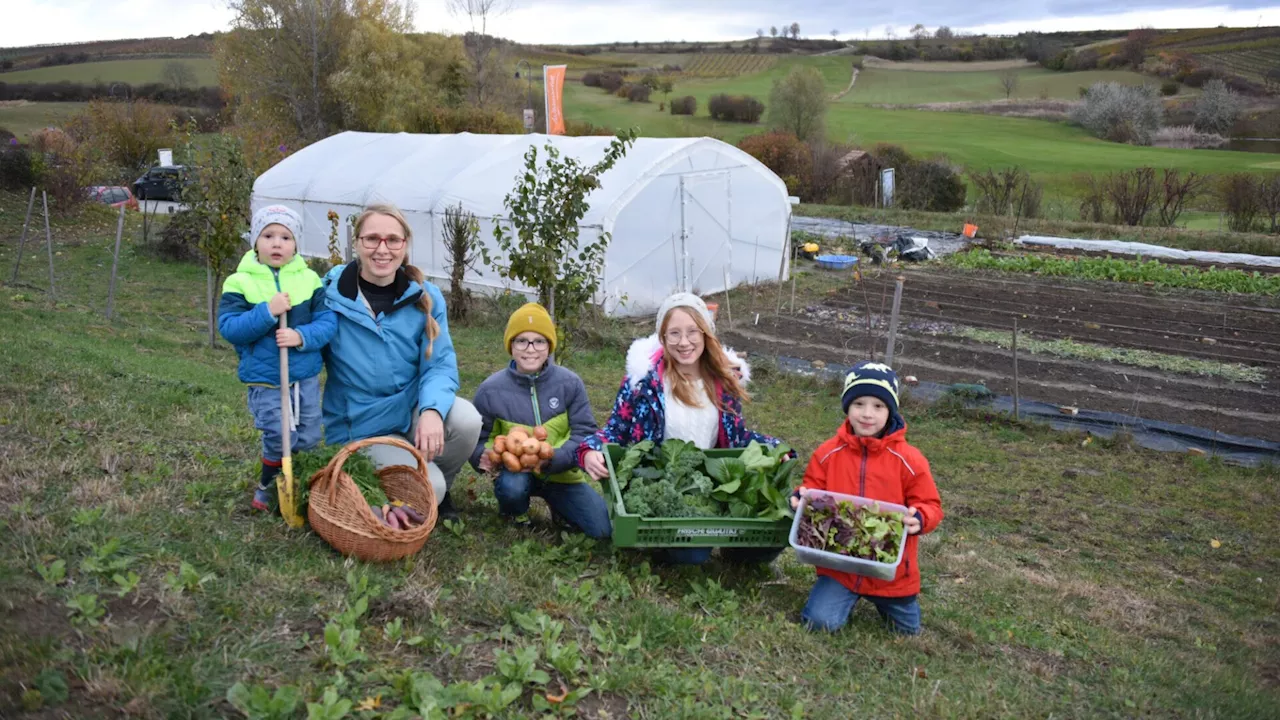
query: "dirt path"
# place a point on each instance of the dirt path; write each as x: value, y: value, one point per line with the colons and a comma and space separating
x: 844, y: 92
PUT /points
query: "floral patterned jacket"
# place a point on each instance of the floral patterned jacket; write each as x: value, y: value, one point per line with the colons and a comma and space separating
x: 639, y: 412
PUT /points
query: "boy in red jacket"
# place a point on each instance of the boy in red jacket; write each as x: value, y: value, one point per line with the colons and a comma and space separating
x: 869, y: 456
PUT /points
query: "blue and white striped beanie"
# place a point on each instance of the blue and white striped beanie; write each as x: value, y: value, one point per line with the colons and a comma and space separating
x: 871, y: 378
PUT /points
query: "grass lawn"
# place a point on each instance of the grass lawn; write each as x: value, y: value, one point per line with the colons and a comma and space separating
x: 1051, y: 151
x: 23, y: 118
x: 134, y: 72
x: 909, y: 87
x: 1065, y: 581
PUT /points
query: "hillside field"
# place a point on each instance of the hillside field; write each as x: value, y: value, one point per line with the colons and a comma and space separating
x: 22, y: 118
x: 134, y: 72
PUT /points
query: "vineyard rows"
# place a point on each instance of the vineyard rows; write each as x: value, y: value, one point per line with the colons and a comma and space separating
x: 1251, y: 64
x: 721, y: 65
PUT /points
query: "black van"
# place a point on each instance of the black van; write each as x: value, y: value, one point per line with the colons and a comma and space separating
x: 163, y: 182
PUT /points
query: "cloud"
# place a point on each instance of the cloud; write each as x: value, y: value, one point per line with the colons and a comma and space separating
x: 30, y: 22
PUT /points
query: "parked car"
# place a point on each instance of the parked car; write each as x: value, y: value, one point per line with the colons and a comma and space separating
x: 162, y: 183
x: 113, y: 195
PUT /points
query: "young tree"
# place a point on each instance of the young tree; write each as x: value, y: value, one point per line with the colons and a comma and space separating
x: 795, y: 31
x: 834, y: 33
x: 538, y: 244
x: 461, y: 244
x: 488, y: 63
x: 798, y: 103
x: 178, y: 75
x: 773, y: 31
x: 944, y: 33
x: 1134, y: 50
x: 1009, y: 82
x: 219, y: 200
x: 1217, y: 108
x: 920, y: 33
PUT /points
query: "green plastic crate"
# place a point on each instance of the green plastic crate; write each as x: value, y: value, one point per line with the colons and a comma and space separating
x: 634, y: 531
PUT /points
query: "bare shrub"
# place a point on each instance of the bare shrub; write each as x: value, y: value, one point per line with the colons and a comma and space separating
x: 827, y: 183
x: 1120, y: 113
x: 1132, y: 194
x: 1093, y: 198
x: 1010, y: 191
x: 1241, y: 198
x: 1178, y: 189
x: 1269, y: 199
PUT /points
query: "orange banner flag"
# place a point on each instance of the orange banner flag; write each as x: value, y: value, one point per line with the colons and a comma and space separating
x: 553, y: 84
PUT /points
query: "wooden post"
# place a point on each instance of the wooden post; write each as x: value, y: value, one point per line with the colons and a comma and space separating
x: 346, y: 252
x: 48, y: 236
x: 22, y: 242
x: 793, y: 279
x: 208, y: 301
x: 728, y: 311
x: 1015, y: 369
x: 115, y: 263
x: 1017, y: 219
x: 893, y: 322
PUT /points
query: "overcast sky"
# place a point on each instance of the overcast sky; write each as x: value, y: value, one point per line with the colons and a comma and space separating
x: 30, y: 22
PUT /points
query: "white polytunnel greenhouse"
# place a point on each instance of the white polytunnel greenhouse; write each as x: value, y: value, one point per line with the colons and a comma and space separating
x: 692, y: 214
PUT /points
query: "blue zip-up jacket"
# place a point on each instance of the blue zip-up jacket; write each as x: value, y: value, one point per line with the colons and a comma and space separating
x: 246, y: 322
x: 379, y: 377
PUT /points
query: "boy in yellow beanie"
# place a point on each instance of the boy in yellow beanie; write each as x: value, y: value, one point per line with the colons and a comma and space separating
x: 535, y: 392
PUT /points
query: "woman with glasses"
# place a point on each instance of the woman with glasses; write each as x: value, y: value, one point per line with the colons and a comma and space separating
x: 533, y: 392
x: 391, y: 365
x: 682, y: 384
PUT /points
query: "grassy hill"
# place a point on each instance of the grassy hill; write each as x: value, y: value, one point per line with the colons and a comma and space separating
x: 1052, y: 151
x: 910, y: 87
x: 134, y: 72
x: 22, y: 118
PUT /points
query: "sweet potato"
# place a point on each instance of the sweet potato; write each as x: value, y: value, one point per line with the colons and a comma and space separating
x: 414, y: 515
x: 393, y: 521
x: 546, y: 452
x: 528, y: 461
x: 511, y: 462
x: 530, y: 446
x: 377, y: 512
x: 495, y: 457
x: 403, y: 517
x: 540, y: 433
x: 500, y: 444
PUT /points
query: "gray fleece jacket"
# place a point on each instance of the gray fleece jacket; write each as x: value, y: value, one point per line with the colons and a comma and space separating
x: 555, y: 398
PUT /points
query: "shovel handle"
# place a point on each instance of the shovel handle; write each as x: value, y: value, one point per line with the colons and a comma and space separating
x: 286, y: 406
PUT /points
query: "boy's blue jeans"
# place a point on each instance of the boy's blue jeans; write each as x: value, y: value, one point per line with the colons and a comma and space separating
x: 830, y: 603
x: 578, y: 503
x: 264, y: 403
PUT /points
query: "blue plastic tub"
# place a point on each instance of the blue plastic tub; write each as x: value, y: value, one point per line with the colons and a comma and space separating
x: 836, y: 262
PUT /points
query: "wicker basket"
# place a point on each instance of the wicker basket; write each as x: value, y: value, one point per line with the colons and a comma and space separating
x: 340, y: 514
